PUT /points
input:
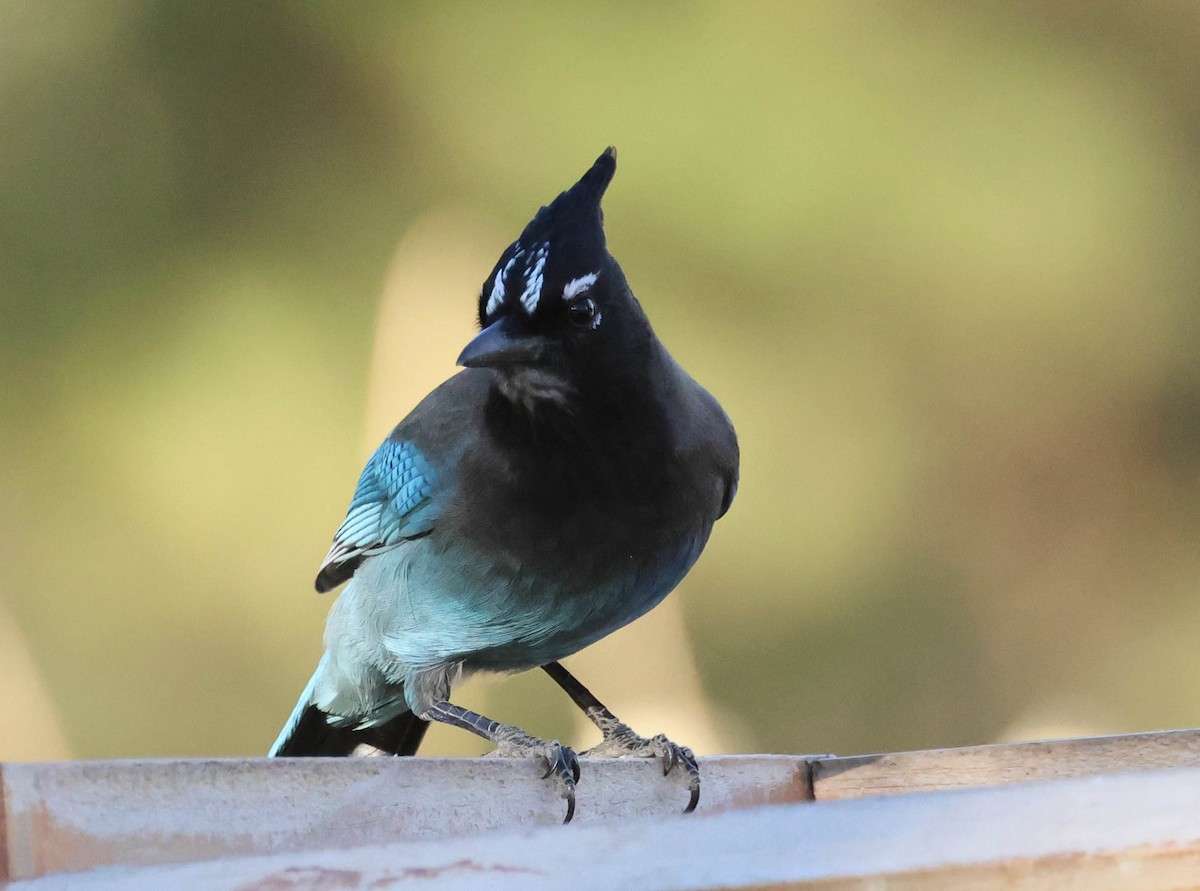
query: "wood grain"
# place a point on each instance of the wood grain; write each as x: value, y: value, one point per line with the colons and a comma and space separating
x: 65, y: 819
x: 1131, y: 831
x: 997, y: 765
x: 64, y: 816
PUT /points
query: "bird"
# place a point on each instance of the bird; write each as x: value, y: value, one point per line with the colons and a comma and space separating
x: 553, y: 490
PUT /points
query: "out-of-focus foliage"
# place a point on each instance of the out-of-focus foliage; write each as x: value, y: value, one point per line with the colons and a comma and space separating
x: 937, y: 260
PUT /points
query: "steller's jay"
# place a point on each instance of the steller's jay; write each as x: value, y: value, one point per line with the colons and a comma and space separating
x: 553, y: 491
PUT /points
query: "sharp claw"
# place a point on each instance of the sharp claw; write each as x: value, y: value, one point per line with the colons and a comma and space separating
x: 561, y: 762
x: 565, y: 765
x: 695, y: 799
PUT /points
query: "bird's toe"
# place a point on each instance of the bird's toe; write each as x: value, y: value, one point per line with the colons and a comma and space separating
x: 674, y: 755
x: 563, y: 765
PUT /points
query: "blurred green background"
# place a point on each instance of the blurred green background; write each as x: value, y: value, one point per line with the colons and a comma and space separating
x: 938, y: 260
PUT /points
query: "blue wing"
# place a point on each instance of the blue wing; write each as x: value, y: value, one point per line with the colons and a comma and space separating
x: 393, y: 503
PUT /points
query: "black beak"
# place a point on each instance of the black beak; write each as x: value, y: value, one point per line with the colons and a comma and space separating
x: 499, y: 344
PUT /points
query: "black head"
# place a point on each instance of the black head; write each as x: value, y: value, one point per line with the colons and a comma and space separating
x: 556, y: 302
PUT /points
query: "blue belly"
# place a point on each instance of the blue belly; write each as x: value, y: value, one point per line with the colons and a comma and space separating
x: 428, y: 604
x: 568, y: 620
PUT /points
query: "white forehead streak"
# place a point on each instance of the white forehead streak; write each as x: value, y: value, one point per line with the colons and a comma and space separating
x: 577, y: 286
x: 497, y: 297
x: 533, y: 282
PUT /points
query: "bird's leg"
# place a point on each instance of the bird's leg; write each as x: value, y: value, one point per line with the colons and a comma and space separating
x: 513, y: 742
x: 620, y: 739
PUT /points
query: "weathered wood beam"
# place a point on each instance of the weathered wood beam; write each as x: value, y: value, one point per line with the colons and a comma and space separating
x: 69, y: 816
x: 75, y: 815
x: 1099, y: 833
x: 1000, y: 765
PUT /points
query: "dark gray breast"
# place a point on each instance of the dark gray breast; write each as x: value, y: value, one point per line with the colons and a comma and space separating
x: 589, y: 496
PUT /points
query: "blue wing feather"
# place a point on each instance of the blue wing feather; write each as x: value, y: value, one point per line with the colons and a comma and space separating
x: 392, y: 503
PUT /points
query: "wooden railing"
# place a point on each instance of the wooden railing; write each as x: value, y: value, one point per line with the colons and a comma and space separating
x: 1103, y: 813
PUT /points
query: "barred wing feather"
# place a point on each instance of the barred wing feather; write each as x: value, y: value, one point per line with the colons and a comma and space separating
x: 393, y: 503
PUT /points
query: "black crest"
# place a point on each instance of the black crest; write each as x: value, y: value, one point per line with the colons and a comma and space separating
x: 558, y: 251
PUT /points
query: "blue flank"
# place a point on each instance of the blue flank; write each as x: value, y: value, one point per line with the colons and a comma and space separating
x: 423, y: 608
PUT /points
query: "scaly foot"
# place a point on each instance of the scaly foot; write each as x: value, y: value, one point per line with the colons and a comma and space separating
x: 513, y: 742
x: 561, y: 761
x: 620, y: 741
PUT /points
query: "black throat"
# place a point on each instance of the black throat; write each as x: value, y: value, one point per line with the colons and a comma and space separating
x: 592, y: 478
x: 591, y: 421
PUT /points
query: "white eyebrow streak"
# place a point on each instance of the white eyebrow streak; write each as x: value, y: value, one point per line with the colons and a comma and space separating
x: 533, y: 286
x: 577, y: 286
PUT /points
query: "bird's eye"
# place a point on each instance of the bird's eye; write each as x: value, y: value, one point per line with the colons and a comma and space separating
x: 582, y: 312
